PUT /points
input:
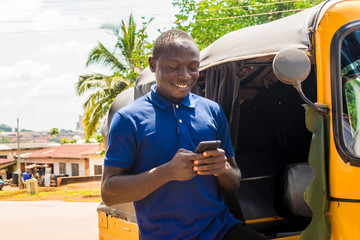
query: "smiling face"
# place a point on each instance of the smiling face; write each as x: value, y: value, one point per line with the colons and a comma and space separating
x: 176, y: 69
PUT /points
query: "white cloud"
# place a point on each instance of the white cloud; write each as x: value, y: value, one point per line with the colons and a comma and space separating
x: 72, y: 46
x: 19, y: 9
x: 54, y: 89
x: 23, y: 70
x: 49, y: 102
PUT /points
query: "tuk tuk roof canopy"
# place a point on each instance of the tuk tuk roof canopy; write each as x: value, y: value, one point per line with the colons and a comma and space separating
x: 266, y: 39
x: 258, y: 41
x: 261, y: 40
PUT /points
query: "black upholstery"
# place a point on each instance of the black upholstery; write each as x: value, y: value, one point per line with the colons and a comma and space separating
x: 296, y: 179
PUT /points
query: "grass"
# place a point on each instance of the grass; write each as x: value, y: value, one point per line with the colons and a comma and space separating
x: 76, y: 192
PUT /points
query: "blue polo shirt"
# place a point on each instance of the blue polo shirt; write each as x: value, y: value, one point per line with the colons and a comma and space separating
x: 148, y: 133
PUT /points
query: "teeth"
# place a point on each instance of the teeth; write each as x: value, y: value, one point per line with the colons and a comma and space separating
x: 181, y: 86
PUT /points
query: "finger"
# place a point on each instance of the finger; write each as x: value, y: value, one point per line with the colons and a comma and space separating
x: 196, y: 156
x: 210, y: 160
x: 211, y: 171
x: 184, y: 150
x: 212, y: 153
x: 209, y: 167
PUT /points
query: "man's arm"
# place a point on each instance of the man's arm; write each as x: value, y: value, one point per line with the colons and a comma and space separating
x: 227, y: 172
x: 117, y: 187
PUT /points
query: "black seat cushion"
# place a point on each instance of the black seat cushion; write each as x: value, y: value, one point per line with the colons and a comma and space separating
x: 290, y: 200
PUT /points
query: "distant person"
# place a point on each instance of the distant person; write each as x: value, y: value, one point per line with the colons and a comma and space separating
x: 150, y: 158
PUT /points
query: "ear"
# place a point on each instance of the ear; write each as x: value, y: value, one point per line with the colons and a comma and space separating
x: 152, y: 64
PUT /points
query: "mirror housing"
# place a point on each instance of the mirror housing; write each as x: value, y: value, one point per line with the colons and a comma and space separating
x: 292, y: 66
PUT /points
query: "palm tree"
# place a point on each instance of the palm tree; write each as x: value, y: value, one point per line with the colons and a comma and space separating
x: 127, y: 59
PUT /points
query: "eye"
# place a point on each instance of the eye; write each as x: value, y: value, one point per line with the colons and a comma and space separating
x: 194, y: 67
x: 172, y: 67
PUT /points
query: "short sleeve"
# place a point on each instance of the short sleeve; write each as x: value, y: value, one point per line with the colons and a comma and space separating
x: 121, y: 143
x: 223, y: 133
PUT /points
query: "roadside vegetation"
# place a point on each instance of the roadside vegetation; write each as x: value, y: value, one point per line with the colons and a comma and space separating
x: 77, y: 192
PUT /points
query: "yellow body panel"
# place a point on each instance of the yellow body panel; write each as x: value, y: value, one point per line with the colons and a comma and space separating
x: 112, y: 228
x: 289, y: 238
x: 343, y: 178
x: 341, y: 174
x: 342, y: 215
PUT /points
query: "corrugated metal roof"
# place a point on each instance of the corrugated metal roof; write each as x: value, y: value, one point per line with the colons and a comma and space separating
x: 13, y: 146
x: 4, y: 161
x: 66, y: 151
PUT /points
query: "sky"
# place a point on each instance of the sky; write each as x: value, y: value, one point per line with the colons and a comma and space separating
x: 44, y: 45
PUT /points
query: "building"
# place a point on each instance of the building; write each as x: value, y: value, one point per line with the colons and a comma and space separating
x: 8, y: 155
x: 6, y: 164
x: 69, y: 159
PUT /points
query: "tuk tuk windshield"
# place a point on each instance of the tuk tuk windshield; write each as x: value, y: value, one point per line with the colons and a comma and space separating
x: 350, y: 72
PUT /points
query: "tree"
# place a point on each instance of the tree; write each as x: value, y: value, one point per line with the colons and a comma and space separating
x: 209, y: 20
x: 25, y: 130
x: 127, y: 59
x: 54, y: 132
x: 5, y: 128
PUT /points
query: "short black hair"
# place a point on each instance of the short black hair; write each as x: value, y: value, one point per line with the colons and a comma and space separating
x: 164, y: 41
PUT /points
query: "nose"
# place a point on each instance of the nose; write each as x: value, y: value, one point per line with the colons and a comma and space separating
x: 184, y: 74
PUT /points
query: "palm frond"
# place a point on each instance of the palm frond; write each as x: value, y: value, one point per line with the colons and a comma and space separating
x: 100, y: 54
x: 89, y: 82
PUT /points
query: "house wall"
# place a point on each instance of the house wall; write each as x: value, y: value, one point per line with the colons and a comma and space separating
x: 68, y: 163
x: 95, y: 160
x: 56, y: 162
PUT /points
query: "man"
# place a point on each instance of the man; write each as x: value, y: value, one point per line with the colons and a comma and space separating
x: 150, y: 158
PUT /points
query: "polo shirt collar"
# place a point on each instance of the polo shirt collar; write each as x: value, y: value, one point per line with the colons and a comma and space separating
x: 163, y: 103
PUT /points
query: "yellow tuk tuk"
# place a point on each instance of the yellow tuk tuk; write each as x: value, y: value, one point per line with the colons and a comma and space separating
x: 300, y: 162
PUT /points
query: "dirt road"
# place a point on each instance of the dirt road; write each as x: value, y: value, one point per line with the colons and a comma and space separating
x: 48, y: 220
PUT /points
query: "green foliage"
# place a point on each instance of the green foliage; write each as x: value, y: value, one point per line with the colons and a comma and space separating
x: 54, y: 132
x: 4, y: 139
x: 127, y: 59
x: 65, y: 141
x: 66, y: 131
x: 99, y: 138
x: 209, y: 20
x: 26, y: 130
x: 5, y: 128
x: 350, y: 89
x: 55, y: 139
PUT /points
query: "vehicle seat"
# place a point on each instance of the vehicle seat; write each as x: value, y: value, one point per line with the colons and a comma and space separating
x: 291, y: 204
x: 281, y: 195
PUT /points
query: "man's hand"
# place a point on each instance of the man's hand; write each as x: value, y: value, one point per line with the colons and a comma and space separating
x: 181, y: 165
x: 213, y: 163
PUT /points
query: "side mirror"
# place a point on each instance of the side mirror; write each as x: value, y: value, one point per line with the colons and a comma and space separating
x: 292, y: 66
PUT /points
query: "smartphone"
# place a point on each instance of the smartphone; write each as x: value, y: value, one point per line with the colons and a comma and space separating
x: 207, y: 145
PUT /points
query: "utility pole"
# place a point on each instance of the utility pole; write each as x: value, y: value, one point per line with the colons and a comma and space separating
x: 18, y: 153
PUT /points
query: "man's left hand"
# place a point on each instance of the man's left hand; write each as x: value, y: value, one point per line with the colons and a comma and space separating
x: 213, y: 163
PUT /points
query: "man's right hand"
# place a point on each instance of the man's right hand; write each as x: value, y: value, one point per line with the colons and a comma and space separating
x: 181, y: 166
